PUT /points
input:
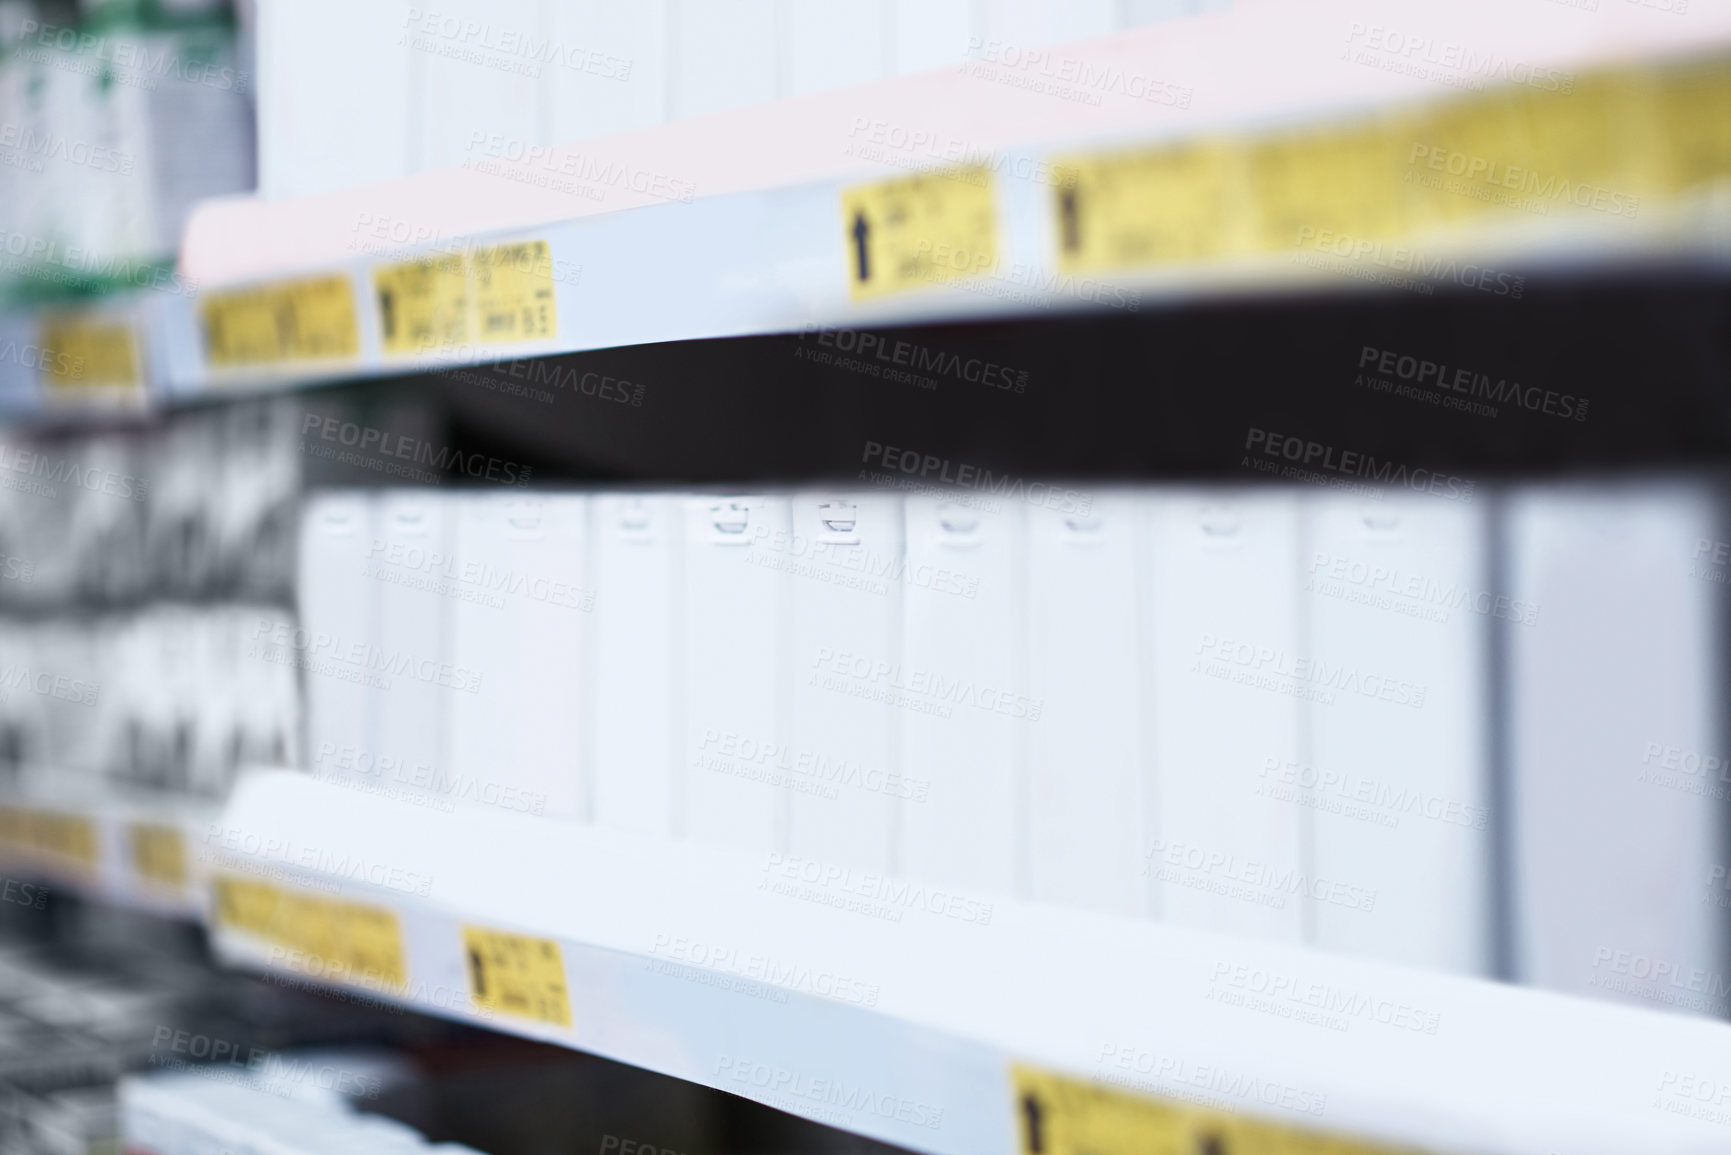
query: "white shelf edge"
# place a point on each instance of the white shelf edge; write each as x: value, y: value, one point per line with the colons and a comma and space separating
x: 667, y: 947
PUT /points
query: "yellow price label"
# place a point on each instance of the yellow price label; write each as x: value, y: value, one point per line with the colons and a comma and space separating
x: 1607, y: 142
x: 1590, y: 139
x: 340, y: 939
x: 311, y: 319
x: 1059, y: 1115
x: 1454, y: 155
x: 371, y: 943
x: 516, y: 974
x: 514, y: 293
x: 79, y: 351
x: 1156, y: 207
x: 244, y: 905
x: 423, y: 305
x: 14, y: 828
x: 158, y: 854
x: 919, y: 230
x: 1346, y: 181
x: 1694, y: 103
x: 65, y: 836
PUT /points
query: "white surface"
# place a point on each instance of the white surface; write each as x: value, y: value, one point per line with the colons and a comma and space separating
x: 626, y: 88
x: 1226, y: 640
x: 337, y: 614
x: 634, y: 739
x: 845, y: 590
x: 960, y: 690
x: 414, y: 81
x: 516, y: 593
x: 465, y: 89
x: 354, y: 131
x: 1086, y: 767
x: 732, y: 676
x: 417, y: 681
x: 721, y: 56
x: 1616, y: 684
x: 1397, y: 776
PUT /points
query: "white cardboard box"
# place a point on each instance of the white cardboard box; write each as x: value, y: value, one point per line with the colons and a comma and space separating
x: 338, y: 617
x: 1399, y: 601
x: 631, y: 733
x: 960, y: 692
x: 1085, y: 805
x: 733, y: 662
x: 519, y: 601
x: 1224, y: 662
x: 846, y: 571
x: 1616, y: 758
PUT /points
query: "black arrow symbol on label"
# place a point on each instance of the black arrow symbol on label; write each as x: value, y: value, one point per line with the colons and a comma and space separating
x: 1067, y: 215
x: 861, y: 231
x: 1031, y: 1109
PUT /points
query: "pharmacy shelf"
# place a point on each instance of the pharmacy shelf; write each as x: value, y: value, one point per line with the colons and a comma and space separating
x: 142, y: 855
x: 926, y: 1018
x: 750, y: 223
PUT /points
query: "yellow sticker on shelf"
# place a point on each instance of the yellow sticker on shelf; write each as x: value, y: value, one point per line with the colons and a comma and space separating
x: 334, y: 938
x: 513, y: 292
x: 1529, y: 152
x: 323, y: 314
x: 1454, y: 155
x: 1149, y: 208
x: 14, y: 828
x: 1339, y: 182
x: 158, y: 854
x: 245, y: 905
x: 1694, y: 103
x: 1552, y: 145
x: 918, y: 231
x: 82, y: 351
x: 305, y: 320
x: 423, y: 305
x: 1060, y: 1115
x: 65, y: 836
x: 518, y: 975
x: 1584, y: 149
x: 371, y: 943
x: 241, y: 327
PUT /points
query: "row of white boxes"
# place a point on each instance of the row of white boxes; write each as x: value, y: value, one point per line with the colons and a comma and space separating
x: 1265, y: 712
